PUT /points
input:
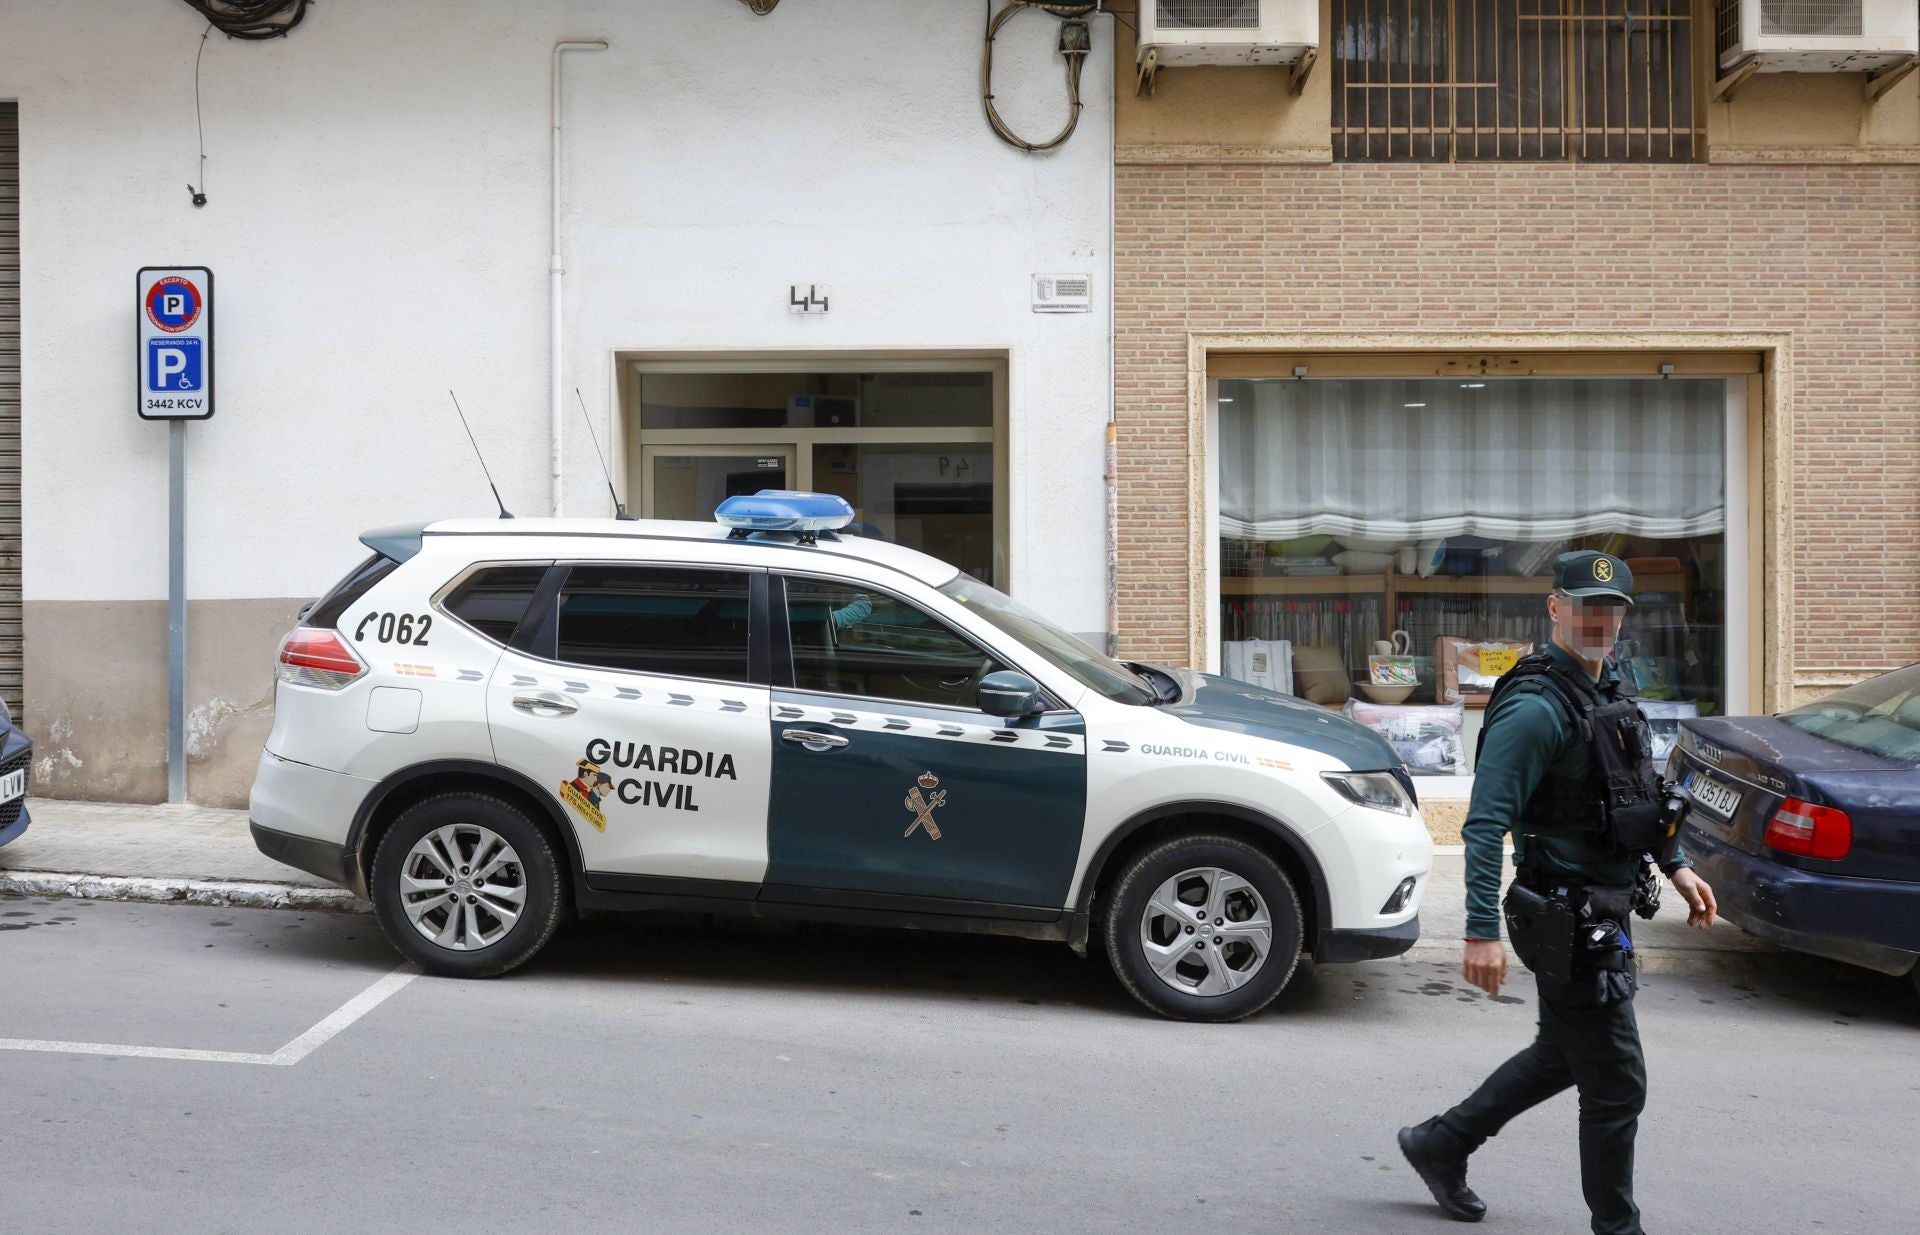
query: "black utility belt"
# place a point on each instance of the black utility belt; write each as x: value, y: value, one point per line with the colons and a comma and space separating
x: 1562, y: 928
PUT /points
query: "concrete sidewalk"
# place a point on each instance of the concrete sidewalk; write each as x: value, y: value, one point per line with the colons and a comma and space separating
x: 196, y: 854
x: 202, y: 855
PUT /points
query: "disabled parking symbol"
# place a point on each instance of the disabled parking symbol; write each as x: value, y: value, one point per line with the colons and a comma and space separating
x: 173, y: 365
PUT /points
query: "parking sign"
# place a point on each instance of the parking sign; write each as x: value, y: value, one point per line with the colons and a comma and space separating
x: 174, y: 316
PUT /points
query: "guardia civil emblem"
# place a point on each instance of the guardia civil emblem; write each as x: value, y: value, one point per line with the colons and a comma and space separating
x: 1603, y: 570
x: 924, y: 804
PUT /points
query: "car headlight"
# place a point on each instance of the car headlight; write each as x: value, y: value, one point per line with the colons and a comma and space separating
x: 1378, y: 790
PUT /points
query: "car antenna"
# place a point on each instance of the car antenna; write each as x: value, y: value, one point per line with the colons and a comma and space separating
x: 619, y: 507
x: 504, y: 512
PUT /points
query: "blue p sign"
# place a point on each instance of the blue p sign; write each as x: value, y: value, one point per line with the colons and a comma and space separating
x: 173, y: 365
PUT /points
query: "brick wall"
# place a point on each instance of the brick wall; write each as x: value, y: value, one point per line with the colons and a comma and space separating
x: 1831, y: 253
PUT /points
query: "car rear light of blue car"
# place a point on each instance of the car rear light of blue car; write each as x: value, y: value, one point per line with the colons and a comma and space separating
x: 1810, y: 831
x: 318, y: 658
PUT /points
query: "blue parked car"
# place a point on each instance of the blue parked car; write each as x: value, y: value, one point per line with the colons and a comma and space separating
x: 16, y: 755
x: 1807, y: 824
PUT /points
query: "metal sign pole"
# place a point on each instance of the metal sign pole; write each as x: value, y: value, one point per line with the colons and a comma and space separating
x: 177, y: 611
x: 173, y: 367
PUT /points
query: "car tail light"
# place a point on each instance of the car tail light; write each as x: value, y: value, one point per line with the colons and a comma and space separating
x: 313, y: 657
x: 1810, y: 831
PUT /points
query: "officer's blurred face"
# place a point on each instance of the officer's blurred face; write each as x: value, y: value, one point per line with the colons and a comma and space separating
x: 1588, y: 625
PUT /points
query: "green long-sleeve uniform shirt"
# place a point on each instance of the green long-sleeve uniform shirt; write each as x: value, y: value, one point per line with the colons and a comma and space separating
x: 1528, y: 734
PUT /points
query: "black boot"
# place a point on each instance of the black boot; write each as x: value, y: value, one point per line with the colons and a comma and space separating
x: 1441, y: 1162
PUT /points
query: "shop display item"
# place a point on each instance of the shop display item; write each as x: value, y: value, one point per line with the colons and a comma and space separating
x: 1427, y: 737
x: 1468, y: 668
x: 1266, y: 663
x: 1360, y: 562
x: 1663, y: 719
x: 1320, y: 673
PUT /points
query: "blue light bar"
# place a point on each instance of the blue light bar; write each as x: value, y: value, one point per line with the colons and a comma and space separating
x: 784, y: 510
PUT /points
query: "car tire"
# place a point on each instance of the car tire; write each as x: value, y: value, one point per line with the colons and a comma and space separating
x: 1225, y: 971
x: 505, y: 896
x: 1913, y: 976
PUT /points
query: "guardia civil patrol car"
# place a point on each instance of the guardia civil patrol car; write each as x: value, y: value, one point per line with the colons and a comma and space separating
x: 489, y: 725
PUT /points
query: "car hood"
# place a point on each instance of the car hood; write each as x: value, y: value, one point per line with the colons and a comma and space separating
x: 1221, y: 703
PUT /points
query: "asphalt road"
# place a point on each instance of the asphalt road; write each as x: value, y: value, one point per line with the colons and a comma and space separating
x: 676, y: 1075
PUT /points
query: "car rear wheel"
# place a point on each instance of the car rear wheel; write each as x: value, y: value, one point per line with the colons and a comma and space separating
x: 467, y: 886
x: 1203, y: 928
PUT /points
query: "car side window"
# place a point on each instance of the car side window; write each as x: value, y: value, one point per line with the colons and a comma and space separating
x: 494, y: 600
x: 675, y: 620
x: 848, y: 641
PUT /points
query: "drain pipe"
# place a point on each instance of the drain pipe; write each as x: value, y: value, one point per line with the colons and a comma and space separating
x: 555, y: 269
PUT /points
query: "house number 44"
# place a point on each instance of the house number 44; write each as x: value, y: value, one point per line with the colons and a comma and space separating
x: 811, y: 298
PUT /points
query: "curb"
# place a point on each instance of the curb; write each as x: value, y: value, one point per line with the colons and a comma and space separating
x: 164, y: 890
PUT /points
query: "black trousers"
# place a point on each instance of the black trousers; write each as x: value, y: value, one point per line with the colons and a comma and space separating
x: 1596, y: 1050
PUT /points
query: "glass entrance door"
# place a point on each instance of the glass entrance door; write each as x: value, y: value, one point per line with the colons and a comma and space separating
x: 688, y: 482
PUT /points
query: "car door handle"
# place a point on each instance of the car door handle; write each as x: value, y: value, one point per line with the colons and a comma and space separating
x: 546, y: 704
x: 813, y: 739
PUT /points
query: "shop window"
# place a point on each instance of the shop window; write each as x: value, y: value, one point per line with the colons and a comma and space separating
x: 1426, y: 514
x: 1476, y: 80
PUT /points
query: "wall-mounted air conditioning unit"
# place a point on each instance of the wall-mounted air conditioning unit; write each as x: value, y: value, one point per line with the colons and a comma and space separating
x: 1183, y: 32
x: 1820, y: 36
x: 1180, y: 32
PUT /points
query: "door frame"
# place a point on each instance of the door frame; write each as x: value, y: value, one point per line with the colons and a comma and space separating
x: 630, y: 441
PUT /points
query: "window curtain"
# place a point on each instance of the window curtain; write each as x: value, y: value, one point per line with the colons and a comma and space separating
x: 1516, y: 459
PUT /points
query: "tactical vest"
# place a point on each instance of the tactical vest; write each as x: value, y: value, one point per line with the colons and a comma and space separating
x: 1619, y: 806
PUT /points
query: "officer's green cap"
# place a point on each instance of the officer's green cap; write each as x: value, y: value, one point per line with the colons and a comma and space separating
x: 1592, y: 574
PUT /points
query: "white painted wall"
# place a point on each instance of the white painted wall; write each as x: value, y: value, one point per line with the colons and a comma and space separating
x: 378, y: 229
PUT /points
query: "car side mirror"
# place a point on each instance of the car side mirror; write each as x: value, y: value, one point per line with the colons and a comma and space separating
x: 1007, y: 693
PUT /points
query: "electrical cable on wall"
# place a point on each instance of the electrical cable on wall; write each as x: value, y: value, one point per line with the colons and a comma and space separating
x: 1076, y: 41
x: 251, y: 19
x: 200, y: 194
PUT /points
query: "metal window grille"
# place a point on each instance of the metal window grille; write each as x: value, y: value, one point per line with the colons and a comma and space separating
x: 1479, y: 80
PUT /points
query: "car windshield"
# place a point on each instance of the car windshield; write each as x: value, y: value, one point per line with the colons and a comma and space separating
x: 1062, y: 650
x: 1880, y: 715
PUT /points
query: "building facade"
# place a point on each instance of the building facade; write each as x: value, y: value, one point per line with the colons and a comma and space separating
x: 790, y: 252
x: 1475, y: 295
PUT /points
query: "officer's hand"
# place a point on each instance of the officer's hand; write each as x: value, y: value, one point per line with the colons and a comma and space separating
x: 1485, y: 964
x: 1701, y: 906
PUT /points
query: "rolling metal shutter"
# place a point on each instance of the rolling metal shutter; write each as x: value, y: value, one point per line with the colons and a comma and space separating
x: 10, y: 405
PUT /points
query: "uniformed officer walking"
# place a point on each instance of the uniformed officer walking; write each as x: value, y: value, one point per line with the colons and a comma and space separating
x: 1565, y: 765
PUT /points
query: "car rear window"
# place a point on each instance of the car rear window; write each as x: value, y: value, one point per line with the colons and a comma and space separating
x: 325, y: 612
x: 1880, y: 715
x: 673, y: 620
x: 494, y: 600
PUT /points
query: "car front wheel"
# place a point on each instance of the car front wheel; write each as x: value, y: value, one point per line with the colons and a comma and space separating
x: 466, y: 885
x: 1203, y: 928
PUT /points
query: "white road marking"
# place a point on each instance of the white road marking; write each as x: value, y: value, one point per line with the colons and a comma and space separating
x: 348, y: 1012
x: 292, y: 1053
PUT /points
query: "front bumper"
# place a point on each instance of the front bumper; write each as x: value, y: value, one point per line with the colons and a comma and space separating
x: 16, y: 755
x: 1873, y: 923
x: 1338, y: 947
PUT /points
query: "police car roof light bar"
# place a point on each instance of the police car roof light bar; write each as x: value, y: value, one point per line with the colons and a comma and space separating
x: 504, y: 512
x: 803, y: 516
